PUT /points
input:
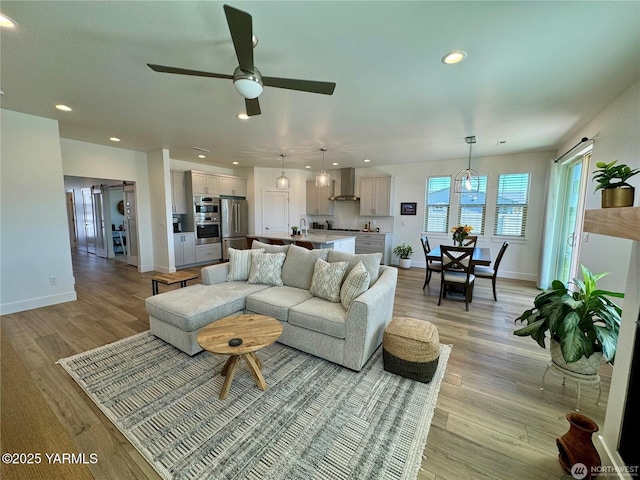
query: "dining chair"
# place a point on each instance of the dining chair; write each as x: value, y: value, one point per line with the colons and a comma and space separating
x: 431, y: 265
x: 250, y: 241
x: 456, y: 271
x: 470, y: 241
x: 275, y: 241
x: 305, y: 244
x: 492, y: 273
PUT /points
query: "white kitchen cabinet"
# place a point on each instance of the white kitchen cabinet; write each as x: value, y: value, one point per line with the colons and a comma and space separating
x: 233, y: 186
x: 184, y: 248
x: 203, y: 184
x: 374, y: 243
x: 318, y: 202
x: 376, y: 196
x: 178, y: 193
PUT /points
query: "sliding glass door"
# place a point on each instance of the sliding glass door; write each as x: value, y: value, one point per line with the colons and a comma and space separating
x: 574, y: 180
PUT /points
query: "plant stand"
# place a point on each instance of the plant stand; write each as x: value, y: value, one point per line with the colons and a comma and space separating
x: 591, y: 380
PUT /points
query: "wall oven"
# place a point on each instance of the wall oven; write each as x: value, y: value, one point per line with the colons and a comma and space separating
x: 207, y: 232
x: 207, y: 207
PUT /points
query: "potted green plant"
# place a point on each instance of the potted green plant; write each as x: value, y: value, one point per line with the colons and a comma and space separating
x: 612, y: 180
x: 404, y: 251
x: 583, y: 323
x: 294, y: 231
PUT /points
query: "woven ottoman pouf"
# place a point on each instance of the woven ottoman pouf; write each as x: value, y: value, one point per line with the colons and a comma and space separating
x: 411, y: 348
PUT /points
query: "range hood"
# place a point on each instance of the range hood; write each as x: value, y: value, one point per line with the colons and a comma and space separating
x: 347, y: 186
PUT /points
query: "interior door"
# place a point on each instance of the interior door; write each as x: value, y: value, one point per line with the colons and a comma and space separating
x: 99, y: 222
x: 87, y: 218
x: 572, y: 213
x: 131, y: 225
x: 275, y: 212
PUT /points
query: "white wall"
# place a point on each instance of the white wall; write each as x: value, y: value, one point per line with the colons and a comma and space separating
x: 33, y: 216
x: 81, y: 159
x: 161, y: 213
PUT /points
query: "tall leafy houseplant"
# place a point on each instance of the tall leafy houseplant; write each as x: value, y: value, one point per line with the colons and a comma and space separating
x: 583, y: 321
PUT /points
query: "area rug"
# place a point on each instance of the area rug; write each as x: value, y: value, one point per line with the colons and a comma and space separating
x: 316, y: 420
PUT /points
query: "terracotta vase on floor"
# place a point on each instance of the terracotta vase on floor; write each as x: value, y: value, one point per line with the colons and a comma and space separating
x: 576, y: 446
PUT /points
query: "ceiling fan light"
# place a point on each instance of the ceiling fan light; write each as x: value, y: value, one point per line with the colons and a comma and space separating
x: 248, y: 87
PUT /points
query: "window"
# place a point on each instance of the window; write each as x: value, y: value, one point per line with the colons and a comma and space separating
x: 473, y: 206
x: 511, y: 204
x: 436, y: 211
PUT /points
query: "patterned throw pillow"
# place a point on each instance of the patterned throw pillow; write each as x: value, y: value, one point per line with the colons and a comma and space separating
x: 356, y: 283
x: 266, y: 268
x: 327, y: 279
x: 240, y: 264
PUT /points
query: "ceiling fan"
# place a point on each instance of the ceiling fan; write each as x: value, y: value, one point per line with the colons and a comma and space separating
x: 247, y: 79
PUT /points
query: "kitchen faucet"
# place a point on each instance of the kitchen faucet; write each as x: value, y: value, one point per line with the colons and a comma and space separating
x: 303, y: 230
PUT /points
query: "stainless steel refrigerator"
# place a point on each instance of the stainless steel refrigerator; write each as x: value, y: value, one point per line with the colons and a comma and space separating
x: 234, y: 220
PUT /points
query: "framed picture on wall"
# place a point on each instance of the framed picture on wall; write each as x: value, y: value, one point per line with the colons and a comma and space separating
x: 408, y: 208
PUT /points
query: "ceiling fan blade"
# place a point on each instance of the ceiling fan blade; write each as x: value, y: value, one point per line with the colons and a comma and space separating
x: 325, y: 88
x: 183, y: 71
x: 241, y: 29
x: 253, y: 106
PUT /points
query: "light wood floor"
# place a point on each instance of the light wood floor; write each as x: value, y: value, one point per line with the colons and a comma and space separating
x: 491, y: 420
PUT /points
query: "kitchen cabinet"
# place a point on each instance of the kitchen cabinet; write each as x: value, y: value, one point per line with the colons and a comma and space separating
x: 318, y: 202
x: 184, y: 248
x: 374, y: 243
x: 376, y: 196
x: 211, y: 252
x: 178, y: 193
x: 233, y: 186
x: 203, y: 184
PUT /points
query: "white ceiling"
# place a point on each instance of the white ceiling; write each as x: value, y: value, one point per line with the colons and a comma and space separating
x: 536, y: 72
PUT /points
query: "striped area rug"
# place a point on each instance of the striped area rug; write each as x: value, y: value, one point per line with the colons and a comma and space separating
x: 316, y: 420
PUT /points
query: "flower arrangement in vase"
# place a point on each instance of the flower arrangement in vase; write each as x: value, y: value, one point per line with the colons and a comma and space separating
x: 460, y: 233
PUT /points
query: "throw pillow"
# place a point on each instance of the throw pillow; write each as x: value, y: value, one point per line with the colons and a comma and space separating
x: 356, y: 283
x: 268, y: 248
x: 327, y: 279
x: 371, y: 262
x: 240, y: 263
x: 299, y: 265
x: 266, y: 268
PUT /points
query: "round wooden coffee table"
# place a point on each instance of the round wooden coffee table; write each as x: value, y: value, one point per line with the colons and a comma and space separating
x: 255, y: 331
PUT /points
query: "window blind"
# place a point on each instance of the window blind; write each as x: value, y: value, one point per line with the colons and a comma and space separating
x: 437, y: 200
x: 472, y: 207
x: 511, y: 204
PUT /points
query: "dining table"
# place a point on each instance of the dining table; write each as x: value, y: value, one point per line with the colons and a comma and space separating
x: 480, y: 256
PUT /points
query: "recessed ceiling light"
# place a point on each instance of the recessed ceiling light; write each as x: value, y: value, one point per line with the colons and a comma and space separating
x: 307, y: 166
x: 6, y: 22
x: 501, y: 143
x: 235, y: 163
x: 62, y: 107
x: 366, y: 160
x: 114, y: 139
x: 454, y: 57
x: 202, y: 156
x: 335, y: 163
x: 243, y: 116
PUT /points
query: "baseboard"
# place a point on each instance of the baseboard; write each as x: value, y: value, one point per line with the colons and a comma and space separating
x: 31, y: 303
x: 613, y: 466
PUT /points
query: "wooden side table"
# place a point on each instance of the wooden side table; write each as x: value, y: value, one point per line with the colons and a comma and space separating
x: 171, y: 278
x: 255, y: 331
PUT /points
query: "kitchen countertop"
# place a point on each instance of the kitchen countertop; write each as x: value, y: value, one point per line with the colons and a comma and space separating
x: 312, y: 237
x: 341, y: 232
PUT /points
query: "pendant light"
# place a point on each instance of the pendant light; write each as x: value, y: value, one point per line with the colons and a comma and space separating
x: 323, y: 179
x: 282, y: 182
x: 467, y: 181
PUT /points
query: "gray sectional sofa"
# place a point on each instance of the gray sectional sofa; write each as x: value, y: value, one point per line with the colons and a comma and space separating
x: 344, y: 335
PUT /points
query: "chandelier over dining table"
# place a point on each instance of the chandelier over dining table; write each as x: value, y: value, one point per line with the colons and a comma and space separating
x: 467, y: 180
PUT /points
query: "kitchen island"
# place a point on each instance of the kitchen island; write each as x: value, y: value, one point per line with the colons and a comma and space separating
x: 342, y: 243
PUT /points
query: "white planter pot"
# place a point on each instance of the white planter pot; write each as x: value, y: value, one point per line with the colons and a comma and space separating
x: 405, y: 263
x: 584, y: 366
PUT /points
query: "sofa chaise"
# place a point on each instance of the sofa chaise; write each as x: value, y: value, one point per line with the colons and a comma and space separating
x: 333, y: 305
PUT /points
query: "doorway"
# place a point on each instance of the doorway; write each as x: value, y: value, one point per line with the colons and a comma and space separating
x: 573, y: 177
x: 275, y: 212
